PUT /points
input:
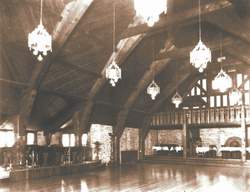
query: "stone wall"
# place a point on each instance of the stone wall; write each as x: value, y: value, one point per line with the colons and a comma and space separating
x: 130, y: 139
x: 150, y: 141
x: 100, y: 133
x: 211, y: 136
x: 219, y: 136
x: 155, y: 137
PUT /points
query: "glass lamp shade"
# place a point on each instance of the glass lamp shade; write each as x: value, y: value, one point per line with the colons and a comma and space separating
x: 113, y: 73
x: 222, y: 81
x: 177, y: 99
x: 153, y: 90
x: 150, y: 10
x: 200, y: 56
x: 40, y: 42
x: 235, y: 96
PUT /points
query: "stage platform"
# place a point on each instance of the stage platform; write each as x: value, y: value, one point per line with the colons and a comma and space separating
x: 43, y: 172
x: 197, y: 161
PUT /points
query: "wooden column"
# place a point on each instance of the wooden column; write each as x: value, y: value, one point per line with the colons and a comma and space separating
x: 243, y: 135
x: 141, y: 144
x: 77, y: 130
x: 116, y: 150
x: 184, y: 135
x: 20, y: 128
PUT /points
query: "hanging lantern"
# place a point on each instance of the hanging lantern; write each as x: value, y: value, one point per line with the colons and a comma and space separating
x: 222, y: 81
x: 150, y: 10
x: 113, y: 73
x: 177, y: 99
x: 153, y: 90
x: 235, y: 96
x: 200, y: 56
x: 39, y: 40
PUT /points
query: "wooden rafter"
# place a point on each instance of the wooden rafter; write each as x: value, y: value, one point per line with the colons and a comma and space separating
x: 177, y: 18
x: 155, y: 68
x: 124, y: 48
x: 231, y: 23
x: 141, y: 30
x: 183, y: 53
x: 71, y: 15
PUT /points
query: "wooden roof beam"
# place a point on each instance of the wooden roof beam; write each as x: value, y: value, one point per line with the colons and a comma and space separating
x: 124, y: 49
x: 71, y: 16
x: 177, y: 18
x: 155, y: 68
x: 229, y: 22
x: 169, y: 52
x: 183, y: 53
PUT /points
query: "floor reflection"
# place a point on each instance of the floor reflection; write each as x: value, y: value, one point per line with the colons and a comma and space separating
x: 142, y: 178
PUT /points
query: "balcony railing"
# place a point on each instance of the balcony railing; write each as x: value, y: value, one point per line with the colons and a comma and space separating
x: 204, y: 116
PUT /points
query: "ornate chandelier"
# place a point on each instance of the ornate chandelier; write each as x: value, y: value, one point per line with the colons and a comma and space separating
x: 222, y: 81
x: 177, y: 99
x: 201, y: 54
x: 39, y: 40
x: 150, y: 10
x: 235, y: 96
x: 113, y: 71
x: 153, y: 90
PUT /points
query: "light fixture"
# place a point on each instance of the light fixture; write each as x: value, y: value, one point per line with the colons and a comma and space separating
x: 153, y: 90
x: 39, y: 40
x: 113, y: 71
x: 201, y: 54
x: 235, y: 96
x: 222, y: 81
x: 150, y: 10
x: 177, y: 99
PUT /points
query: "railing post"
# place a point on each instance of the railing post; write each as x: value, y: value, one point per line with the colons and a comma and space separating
x: 243, y: 131
x: 184, y: 135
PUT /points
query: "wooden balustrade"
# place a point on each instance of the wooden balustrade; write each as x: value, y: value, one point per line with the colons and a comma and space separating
x: 205, y: 116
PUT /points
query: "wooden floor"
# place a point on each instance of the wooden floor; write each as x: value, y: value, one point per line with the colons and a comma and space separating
x: 143, y: 177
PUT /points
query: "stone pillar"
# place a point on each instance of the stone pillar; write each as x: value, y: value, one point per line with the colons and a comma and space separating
x: 141, y: 144
x: 185, y: 135
x: 243, y: 135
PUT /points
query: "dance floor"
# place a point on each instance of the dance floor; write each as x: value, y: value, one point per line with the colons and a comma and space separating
x: 142, y: 178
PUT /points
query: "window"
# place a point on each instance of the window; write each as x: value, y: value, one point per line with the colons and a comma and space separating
x: 204, y: 99
x: 204, y: 84
x: 68, y: 140
x: 192, y: 92
x: 239, y: 79
x: 7, y: 138
x: 225, y: 104
x: 218, y: 101
x: 30, y: 138
x: 212, y: 101
x: 246, y: 86
x: 198, y: 91
x: 247, y: 98
x: 84, y: 139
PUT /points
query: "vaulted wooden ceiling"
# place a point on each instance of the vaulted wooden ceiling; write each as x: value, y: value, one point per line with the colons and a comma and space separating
x: 71, y: 78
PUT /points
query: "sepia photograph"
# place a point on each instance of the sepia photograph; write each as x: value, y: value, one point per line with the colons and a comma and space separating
x: 125, y: 96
